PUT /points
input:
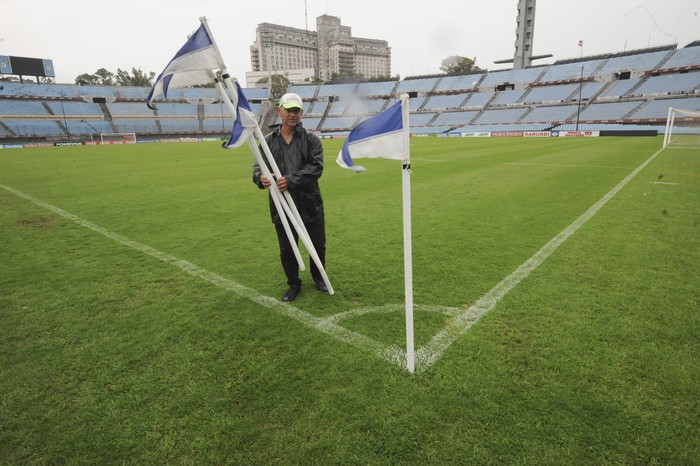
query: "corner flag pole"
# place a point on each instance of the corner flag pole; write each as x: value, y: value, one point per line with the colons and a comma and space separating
x: 407, y: 241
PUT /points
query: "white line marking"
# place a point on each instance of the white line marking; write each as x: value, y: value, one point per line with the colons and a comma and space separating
x: 425, y: 355
x: 430, y: 353
x: 566, y: 165
x: 392, y: 354
x: 663, y: 182
x: 450, y: 311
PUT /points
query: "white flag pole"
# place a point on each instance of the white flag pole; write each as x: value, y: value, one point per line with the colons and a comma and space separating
x: 407, y: 241
x: 277, y: 199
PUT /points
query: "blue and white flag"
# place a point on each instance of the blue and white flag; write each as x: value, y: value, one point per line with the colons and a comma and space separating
x: 245, y: 123
x: 382, y: 136
x: 192, y: 64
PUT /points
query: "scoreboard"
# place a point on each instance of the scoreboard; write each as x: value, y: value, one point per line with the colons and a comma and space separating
x: 25, y: 66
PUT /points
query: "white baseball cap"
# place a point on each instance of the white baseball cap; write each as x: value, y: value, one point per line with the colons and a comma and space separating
x: 291, y: 101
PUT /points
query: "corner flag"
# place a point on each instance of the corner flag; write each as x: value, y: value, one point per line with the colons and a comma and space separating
x: 245, y: 123
x: 382, y: 136
x: 387, y: 136
x: 192, y: 64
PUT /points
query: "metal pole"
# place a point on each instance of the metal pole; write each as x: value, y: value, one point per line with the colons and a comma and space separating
x: 267, y: 39
x: 65, y: 123
x: 580, y: 87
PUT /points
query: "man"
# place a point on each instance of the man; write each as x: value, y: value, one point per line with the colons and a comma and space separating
x: 299, y: 156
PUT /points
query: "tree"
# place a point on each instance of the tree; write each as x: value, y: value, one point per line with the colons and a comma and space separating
x: 137, y: 78
x: 101, y: 77
x: 456, y: 65
x: 279, y: 85
x: 346, y: 77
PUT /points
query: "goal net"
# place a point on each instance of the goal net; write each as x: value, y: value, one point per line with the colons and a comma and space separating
x: 118, y: 138
x: 682, y: 129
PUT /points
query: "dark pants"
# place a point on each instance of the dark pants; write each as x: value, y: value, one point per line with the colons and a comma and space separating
x: 317, y: 233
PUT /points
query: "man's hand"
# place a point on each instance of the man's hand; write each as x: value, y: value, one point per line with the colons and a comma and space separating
x: 281, y: 183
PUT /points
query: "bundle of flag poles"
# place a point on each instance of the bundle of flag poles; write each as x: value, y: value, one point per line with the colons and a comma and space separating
x: 385, y: 135
x: 197, y: 62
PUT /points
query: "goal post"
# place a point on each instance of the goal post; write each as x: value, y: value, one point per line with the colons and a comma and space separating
x: 117, y: 138
x: 682, y: 129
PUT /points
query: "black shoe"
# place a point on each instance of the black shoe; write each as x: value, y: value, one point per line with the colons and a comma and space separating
x: 321, y: 285
x: 291, y: 293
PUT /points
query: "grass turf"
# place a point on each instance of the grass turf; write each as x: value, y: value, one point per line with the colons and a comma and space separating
x: 110, y: 356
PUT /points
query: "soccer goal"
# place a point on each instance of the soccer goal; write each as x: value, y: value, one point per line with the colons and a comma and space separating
x: 118, y: 138
x: 682, y: 129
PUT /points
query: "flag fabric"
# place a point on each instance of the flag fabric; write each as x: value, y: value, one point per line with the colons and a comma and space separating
x: 191, y: 65
x: 580, y: 43
x: 245, y: 123
x: 382, y: 136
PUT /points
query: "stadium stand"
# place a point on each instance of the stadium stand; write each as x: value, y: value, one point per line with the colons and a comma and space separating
x: 683, y: 58
x: 479, y: 99
x: 550, y: 114
x: 620, y: 88
x: 670, y: 84
x: 641, y: 62
x: 422, y: 85
x: 570, y: 71
x: 438, y: 102
x: 608, y: 111
x: 459, y: 83
x: 454, y: 118
x: 500, y: 116
x: 508, y: 97
x: 627, y: 90
x: 524, y: 76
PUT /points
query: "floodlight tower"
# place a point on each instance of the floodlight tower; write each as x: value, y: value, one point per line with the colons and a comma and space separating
x: 524, y: 34
x: 524, y: 37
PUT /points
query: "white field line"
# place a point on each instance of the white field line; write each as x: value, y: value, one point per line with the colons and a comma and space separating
x: 390, y: 353
x: 449, y: 311
x: 431, y: 352
x: 565, y: 165
x: 425, y: 355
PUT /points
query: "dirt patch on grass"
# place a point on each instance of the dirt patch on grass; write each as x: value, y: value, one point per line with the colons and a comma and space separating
x: 38, y: 222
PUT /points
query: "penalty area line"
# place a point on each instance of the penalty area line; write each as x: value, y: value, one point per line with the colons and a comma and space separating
x: 433, y: 350
x: 391, y: 353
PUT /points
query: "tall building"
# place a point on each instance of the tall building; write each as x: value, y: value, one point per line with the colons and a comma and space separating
x: 330, y: 50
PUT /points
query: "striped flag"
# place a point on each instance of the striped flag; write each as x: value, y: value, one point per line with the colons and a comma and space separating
x: 245, y: 123
x: 192, y: 64
x: 382, y: 136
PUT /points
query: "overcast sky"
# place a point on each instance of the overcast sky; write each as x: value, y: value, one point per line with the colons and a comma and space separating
x: 81, y: 36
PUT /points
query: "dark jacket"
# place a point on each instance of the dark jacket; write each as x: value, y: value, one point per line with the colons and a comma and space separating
x: 302, y: 169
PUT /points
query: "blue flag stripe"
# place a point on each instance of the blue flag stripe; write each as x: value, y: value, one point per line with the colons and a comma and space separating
x: 239, y: 131
x: 197, y: 41
x: 388, y: 121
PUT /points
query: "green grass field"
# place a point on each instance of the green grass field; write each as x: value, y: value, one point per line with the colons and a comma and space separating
x: 141, y: 321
